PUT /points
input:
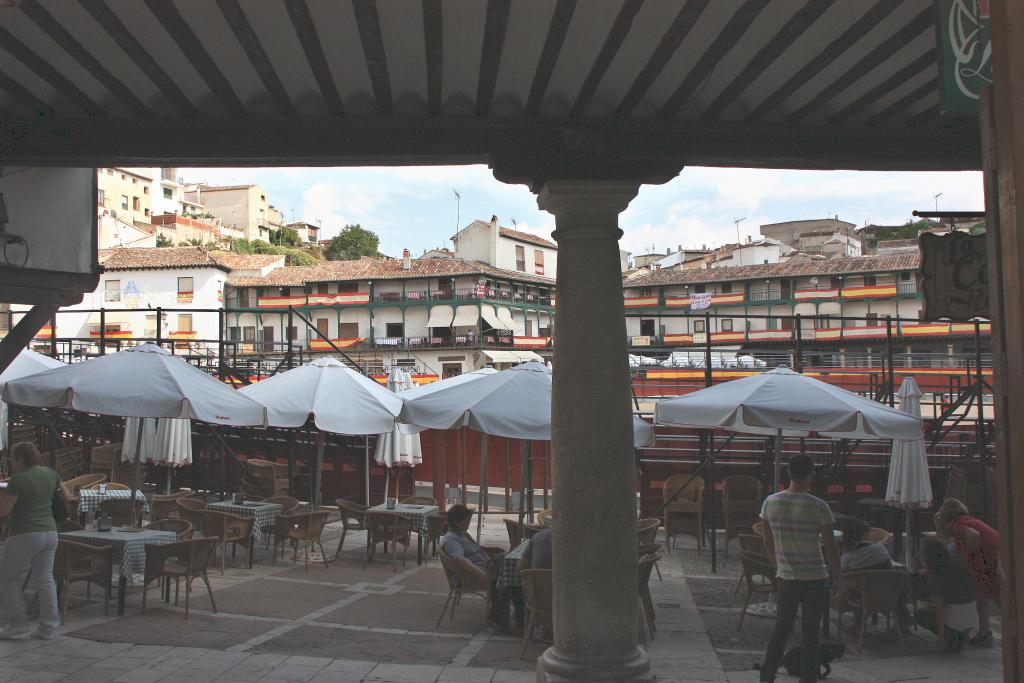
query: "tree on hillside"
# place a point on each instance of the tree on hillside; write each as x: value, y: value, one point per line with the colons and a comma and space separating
x: 351, y: 243
x: 164, y: 241
x: 285, y: 237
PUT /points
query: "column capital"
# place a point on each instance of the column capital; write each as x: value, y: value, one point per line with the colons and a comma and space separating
x: 586, y: 195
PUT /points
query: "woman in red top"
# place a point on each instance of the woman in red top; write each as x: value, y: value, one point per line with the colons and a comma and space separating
x: 978, y: 546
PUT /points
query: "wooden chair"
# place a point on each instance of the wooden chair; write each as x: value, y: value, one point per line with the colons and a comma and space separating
x: 353, y: 518
x: 759, y: 575
x: 165, y: 505
x: 288, y: 506
x: 418, y: 500
x: 386, y: 527
x: 229, y: 528
x: 82, y: 562
x: 648, y: 561
x: 436, y: 525
x: 182, y: 527
x: 686, y: 513
x: 461, y: 582
x: 538, y: 594
x: 191, y: 509
x: 750, y: 543
x: 874, y: 591
x: 304, y: 527
x: 741, y: 504
x: 187, y: 560
x: 123, y: 511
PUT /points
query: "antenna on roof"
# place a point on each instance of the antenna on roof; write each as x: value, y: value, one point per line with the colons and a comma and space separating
x: 737, y: 221
x: 514, y: 224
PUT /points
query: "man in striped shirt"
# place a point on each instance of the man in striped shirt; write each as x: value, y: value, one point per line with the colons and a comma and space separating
x: 796, y: 527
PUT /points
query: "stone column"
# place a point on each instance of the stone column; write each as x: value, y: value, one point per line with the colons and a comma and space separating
x: 595, y: 556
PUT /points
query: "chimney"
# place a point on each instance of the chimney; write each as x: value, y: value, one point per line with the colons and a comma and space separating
x: 495, y: 234
x: 406, y: 260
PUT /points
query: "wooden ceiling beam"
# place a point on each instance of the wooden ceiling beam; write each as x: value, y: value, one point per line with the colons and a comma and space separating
x: 857, y: 30
x: 925, y: 21
x: 250, y: 44
x: 186, y: 39
x: 731, y: 33
x: 60, y: 35
x: 925, y: 62
x: 298, y: 12
x: 23, y: 95
x: 766, y: 56
x: 126, y: 40
x: 495, y: 26
x: 433, y: 43
x: 908, y: 100
x: 557, y: 30
x: 670, y: 41
x: 373, y: 50
x: 932, y: 113
x: 610, y: 48
x: 24, y: 54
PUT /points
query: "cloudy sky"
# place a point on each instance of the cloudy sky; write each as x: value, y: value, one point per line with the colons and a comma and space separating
x: 416, y: 208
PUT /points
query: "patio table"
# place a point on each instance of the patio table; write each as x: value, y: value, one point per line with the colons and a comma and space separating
x: 263, y: 514
x: 417, y: 516
x: 508, y: 577
x: 129, y: 551
x: 89, y: 499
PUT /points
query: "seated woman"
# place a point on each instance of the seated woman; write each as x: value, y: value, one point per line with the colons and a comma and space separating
x: 950, y: 585
x: 858, y: 553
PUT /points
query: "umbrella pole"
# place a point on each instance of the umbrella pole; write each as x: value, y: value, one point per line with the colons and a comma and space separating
x: 366, y: 469
x: 778, y: 463
x: 319, y: 469
x: 907, y: 536
x: 522, y: 484
x: 482, y: 496
x: 291, y: 461
x: 136, y: 474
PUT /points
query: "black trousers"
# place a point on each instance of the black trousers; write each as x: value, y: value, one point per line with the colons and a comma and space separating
x: 809, y: 596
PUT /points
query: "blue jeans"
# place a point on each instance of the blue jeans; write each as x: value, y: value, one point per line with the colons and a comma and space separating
x: 810, y: 597
x: 35, y: 551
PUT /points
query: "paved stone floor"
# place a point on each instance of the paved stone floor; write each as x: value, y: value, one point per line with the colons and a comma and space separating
x: 345, y: 623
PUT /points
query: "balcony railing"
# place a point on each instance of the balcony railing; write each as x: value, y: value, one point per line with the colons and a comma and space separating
x: 470, y: 294
x: 765, y: 296
x: 900, y: 329
x: 906, y: 288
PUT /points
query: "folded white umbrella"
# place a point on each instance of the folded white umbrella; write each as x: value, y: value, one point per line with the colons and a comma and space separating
x: 26, y: 363
x: 909, y: 485
x: 165, y: 441
x: 397, y: 447
x: 643, y: 433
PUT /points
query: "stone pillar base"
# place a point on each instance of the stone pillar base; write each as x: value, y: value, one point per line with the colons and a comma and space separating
x: 555, y: 668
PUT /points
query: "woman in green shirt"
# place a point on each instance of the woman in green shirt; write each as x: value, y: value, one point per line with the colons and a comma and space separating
x: 27, y: 503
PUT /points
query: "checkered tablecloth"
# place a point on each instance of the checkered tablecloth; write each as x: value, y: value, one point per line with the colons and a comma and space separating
x: 263, y: 514
x: 89, y: 499
x: 416, y: 514
x: 129, y: 547
x: 508, y: 577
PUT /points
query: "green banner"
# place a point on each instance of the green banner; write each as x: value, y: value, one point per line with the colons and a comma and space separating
x: 965, y: 54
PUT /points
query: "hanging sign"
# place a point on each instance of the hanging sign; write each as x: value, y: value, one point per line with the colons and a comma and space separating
x: 965, y: 54
x: 954, y: 276
x: 700, y: 301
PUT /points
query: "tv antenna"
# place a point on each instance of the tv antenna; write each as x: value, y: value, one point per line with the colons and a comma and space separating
x: 737, y: 221
x: 458, y: 209
x: 936, y: 198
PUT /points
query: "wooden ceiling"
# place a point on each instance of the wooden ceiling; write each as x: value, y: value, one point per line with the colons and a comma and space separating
x: 787, y: 83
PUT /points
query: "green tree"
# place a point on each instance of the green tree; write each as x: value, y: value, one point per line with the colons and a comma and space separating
x: 194, y: 242
x: 285, y: 237
x: 351, y: 243
x: 164, y: 241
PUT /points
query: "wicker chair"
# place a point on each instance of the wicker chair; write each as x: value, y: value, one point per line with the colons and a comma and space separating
x: 305, y: 527
x: 187, y: 560
x: 651, y: 549
x: 67, y: 525
x: 229, y: 528
x: 353, y: 518
x: 288, y: 505
x: 750, y: 543
x: 418, y: 500
x: 86, y: 481
x: 105, y: 460
x: 647, y: 562
x: 877, y: 535
x: 759, y: 575
x: 538, y: 594
x: 874, y: 591
x: 191, y: 509
x: 461, y: 582
x: 515, y: 534
x: 263, y: 478
x: 117, y: 486
x: 386, y: 527
x: 123, y: 511
x: 166, y: 505
x: 182, y: 527
x: 82, y: 562
x: 436, y: 524
x: 686, y: 513
x: 647, y: 530
x: 543, y: 515
x: 531, y: 530
x: 741, y: 504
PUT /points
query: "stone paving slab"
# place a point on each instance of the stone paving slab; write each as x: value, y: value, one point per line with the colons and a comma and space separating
x: 401, y: 648
x: 419, y: 613
x: 168, y: 627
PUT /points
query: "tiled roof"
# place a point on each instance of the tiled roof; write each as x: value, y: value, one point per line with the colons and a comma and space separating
x: 379, y: 269
x: 246, y: 261
x: 220, y: 188
x: 896, y: 244
x: 526, y: 237
x: 158, y: 257
x: 838, y: 266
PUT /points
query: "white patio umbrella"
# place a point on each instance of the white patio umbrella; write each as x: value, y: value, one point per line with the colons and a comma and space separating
x: 781, y: 402
x: 143, y: 382
x: 26, y: 363
x: 397, y: 447
x: 165, y: 441
x: 339, y: 400
x: 909, y: 486
x: 643, y: 433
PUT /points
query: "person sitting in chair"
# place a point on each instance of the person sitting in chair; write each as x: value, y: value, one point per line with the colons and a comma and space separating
x: 856, y: 552
x: 464, y: 551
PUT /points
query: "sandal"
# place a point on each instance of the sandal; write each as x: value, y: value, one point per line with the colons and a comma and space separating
x: 981, y: 640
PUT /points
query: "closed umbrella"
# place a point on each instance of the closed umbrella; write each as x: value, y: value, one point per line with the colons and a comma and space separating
x: 909, y: 486
x: 337, y: 399
x: 165, y: 441
x: 143, y: 382
x: 26, y: 363
x: 397, y: 447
